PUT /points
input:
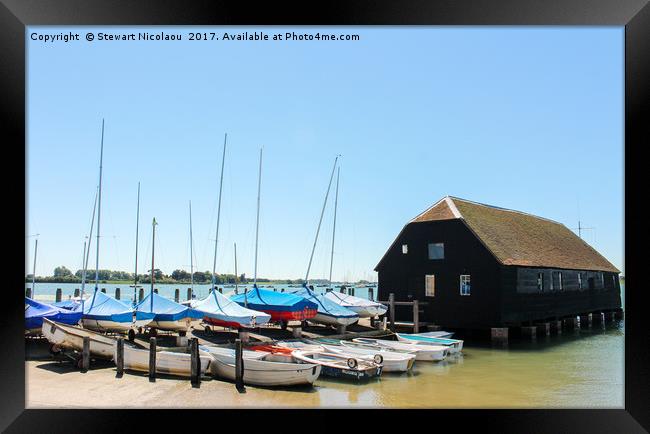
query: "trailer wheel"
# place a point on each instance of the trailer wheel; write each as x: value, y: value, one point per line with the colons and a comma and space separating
x: 131, y: 335
x: 352, y: 363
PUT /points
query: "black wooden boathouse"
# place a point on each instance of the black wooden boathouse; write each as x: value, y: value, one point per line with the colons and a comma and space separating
x: 480, y: 266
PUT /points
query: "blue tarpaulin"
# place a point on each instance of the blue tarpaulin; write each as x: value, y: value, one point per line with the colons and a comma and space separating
x: 164, y: 309
x: 36, y: 311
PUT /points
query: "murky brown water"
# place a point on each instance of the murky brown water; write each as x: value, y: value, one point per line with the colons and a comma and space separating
x: 576, y: 369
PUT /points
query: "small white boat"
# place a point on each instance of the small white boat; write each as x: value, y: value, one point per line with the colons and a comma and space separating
x: 72, y: 337
x: 263, y: 368
x: 362, y: 307
x: 339, y: 365
x: 167, y: 361
x: 454, y: 345
x: 392, y: 361
x: 433, y: 353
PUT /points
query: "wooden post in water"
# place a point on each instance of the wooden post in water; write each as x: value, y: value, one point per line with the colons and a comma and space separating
x: 189, y: 293
x: 155, y: 290
x: 85, y: 354
x: 119, y: 361
x: 391, y: 310
x: 141, y: 294
x: 195, y: 363
x: 371, y: 295
x: 58, y: 295
x: 28, y: 292
x: 239, y: 366
x: 76, y: 292
x: 117, y: 293
x: 104, y: 290
x: 177, y: 293
x: 416, y: 317
x: 152, y: 359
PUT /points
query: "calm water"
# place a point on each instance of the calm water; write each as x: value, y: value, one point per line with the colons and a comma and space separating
x: 581, y: 369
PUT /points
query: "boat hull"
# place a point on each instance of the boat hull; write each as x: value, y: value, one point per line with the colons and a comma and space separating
x: 321, y: 318
x: 258, y: 372
x: 71, y: 338
x: 330, y: 367
x: 454, y: 345
x: 112, y: 326
x: 167, y: 362
x: 180, y: 325
x: 392, y: 362
x: 426, y: 353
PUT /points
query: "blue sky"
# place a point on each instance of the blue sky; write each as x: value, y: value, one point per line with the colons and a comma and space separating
x: 524, y: 118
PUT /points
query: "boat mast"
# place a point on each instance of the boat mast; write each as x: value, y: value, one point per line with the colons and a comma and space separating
x: 137, y: 224
x: 87, y: 252
x: 191, y: 257
x: 34, y: 269
x: 319, y: 222
x: 336, y: 201
x: 236, y: 287
x: 153, y: 246
x: 257, y: 225
x: 99, y: 214
x: 216, y: 238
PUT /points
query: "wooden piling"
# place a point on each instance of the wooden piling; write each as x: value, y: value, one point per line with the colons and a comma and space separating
x: 195, y: 363
x: 529, y: 331
x: 391, y: 310
x: 152, y: 359
x: 104, y: 290
x: 76, y: 292
x: 117, y: 293
x: 177, y: 293
x: 119, y: 360
x: 189, y: 293
x: 544, y: 328
x: 239, y: 365
x: 58, y: 295
x: 141, y: 294
x: 416, y: 317
x: 85, y: 354
x: 155, y: 290
x: 499, y: 334
x: 371, y: 295
x: 556, y: 326
x: 28, y: 292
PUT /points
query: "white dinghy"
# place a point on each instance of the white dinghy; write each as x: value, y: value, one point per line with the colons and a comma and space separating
x: 391, y: 360
x: 63, y: 336
x: 170, y: 362
x: 263, y: 368
x: 433, y: 353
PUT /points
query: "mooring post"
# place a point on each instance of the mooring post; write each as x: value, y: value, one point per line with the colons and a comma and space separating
x: 85, y: 354
x: 499, y: 335
x: 195, y: 368
x: 391, y: 310
x: 244, y: 336
x: 416, y: 316
x: 529, y: 331
x: 141, y: 294
x: 371, y: 295
x: 544, y: 328
x: 117, y: 293
x: 28, y: 292
x: 586, y: 320
x: 556, y: 326
x: 119, y: 360
x: 58, y: 295
x: 177, y: 293
x: 104, y: 290
x: 155, y: 290
x: 239, y: 365
x: 189, y: 293
x: 152, y: 359
x: 341, y: 329
x: 76, y: 292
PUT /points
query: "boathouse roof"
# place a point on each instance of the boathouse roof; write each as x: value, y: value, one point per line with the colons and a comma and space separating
x: 518, y: 238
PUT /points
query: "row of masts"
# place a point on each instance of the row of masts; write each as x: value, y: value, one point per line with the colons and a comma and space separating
x: 97, y: 207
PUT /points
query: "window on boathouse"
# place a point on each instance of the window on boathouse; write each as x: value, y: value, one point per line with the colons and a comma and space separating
x: 405, y: 249
x: 430, y: 285
x: 436, y: 251
x: 465, y: 288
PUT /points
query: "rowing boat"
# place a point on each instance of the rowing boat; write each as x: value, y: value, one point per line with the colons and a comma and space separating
x: 63, y: 336
x: 338, y: 365
x: 392, y: 361
x: 168, y: 361
x: 263, y: 368
x: 454, y: 345
x: 434, y: 353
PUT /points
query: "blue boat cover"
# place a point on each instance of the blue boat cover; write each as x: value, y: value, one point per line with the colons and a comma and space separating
x: 277, y: 301
x: 164, y: 309
x: 102, y: 307
x: 325, y: 305
x: 219, y: 307
x: 36, y: 311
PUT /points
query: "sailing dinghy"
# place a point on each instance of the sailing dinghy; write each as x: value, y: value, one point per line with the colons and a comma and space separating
x: 36, y: 313
x: 362, y: 307
x: 217, y: 309
x: 328, y: 313
x: 280, y: 306
x: 103, y: 313
x: 165, y: 314
x: 168, y: 361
